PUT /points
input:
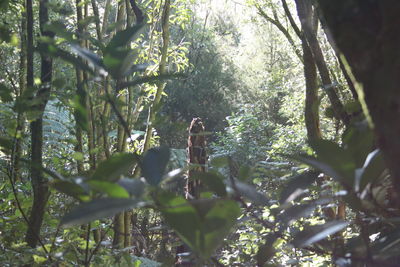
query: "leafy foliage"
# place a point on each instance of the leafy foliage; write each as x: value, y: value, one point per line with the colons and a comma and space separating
x: 267, y: 197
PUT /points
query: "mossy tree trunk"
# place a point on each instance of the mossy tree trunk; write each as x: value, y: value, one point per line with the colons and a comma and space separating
x: 305, y: 13
x: 311, y: 111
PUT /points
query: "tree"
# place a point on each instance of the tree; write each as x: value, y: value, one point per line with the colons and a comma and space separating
x: 39, y: 185
x: 210, y: 80
x: 373, y: 63
x: 105, y: 95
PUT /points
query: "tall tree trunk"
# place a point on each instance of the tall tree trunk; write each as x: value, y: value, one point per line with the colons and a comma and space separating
x: 305, y: 13
x: 121, y: 230
x: 97, y: 19
x: 22, y: 86
x: 39, y: 183
x: 107, y: 10
x: 311, y: 111
x: 367, y: 34
x: 345, y: 73
x: 80, y: 91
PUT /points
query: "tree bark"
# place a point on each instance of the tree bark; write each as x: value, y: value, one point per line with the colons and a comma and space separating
x: 122, y: 221
x: 119, y: 231
x: 97, y: 19
x: 107, y: 10
x: 17, y: 152
x: 367, y: 34
x: 80, y: 91
x: 39, y: 183
x: 304, y: 10
x: 311, y: 111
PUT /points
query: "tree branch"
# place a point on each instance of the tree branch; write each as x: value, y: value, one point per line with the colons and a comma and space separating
x: 138, y: 13
x: 285, y: 32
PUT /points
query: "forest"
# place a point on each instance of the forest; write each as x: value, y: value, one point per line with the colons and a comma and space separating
x: 200, y: 133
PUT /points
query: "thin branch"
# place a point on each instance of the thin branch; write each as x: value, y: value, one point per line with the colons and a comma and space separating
x: 9, y: 76
x: 118, y: 113
x: 87, y: 245
x: 291, y: 20
x: 138, y: 13
x: 98, y: 245
x: 53, y: 243
x: 285, y: 32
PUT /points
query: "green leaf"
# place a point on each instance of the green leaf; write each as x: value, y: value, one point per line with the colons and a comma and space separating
x: 135, y: 187
x: 327, y: 169
x: 4, y: 5
x: 220, y: 161
x: 59, y: 83
x: 76, y: 62
x: 112, y: 190
x: 297, y: 185
x: 174, y: 174
x: 266, y: 251
x: 97, y: 209
x: 112, y: 168
x: 5, y: 33
x: 182, y: 217
x: 87, y: 20
x: 123, y: 38
x: 359, y: 142
x: 250, y: 192
x: 91, y: 57
x: 217, y: 225
x: 60, y: 30
x: 245, y: 172
x: 373, y: 168
x: 213, y: 181
x: 6, y: 145
x: 118, y: 55
x: 297, y: 211
x: 5, y: 93
x: 39, y: 259
x: 329, y: 112
x: 201, y: 224
x: 153, y: 165
x: 316, y: 233
x: 55, y: 175
x: 337, y: 158
x: 78, y: 156
x: 69, y: 188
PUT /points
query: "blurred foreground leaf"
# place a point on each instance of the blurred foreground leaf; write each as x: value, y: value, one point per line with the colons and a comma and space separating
x: 97, y: 209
